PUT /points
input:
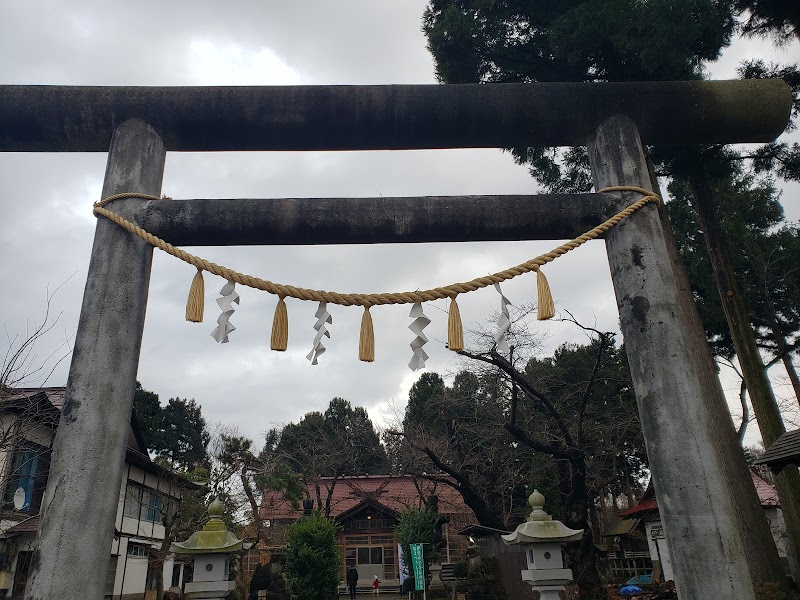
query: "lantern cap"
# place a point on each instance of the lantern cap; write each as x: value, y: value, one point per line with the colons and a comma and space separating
x: 214, y: 538
x: 540, y: 526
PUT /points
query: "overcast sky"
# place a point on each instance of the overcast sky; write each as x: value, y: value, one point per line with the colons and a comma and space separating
x: 46, y: 228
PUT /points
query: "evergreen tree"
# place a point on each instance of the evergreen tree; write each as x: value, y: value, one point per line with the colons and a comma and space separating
x: 175, y: 433
x: 341, y: 441
x: 185, y: 438
x: 313, y: 562
x: 766, y: 263
x: 147, y: 409
x: 424, y: 397
x: 779, y: 19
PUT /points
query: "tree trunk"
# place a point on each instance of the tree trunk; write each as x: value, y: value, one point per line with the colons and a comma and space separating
x: 792, y: 372
x: 583, y: 554
x: 779, y: 338
x: 628, y: 488
x: 745, y: 412
x: 764, y: 405
x: 251, y: 498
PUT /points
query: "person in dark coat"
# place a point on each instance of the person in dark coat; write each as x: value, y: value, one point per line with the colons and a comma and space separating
x: 352, y: 581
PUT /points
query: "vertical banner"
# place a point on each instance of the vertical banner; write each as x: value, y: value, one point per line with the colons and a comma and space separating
x: 419, y: 566
x: 402, y: 565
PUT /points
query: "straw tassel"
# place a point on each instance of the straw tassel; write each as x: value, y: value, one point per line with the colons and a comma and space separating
x: 545, y: 308
x: 196, y: 299
x: 280, y: 327
x: 366, y: 344
x: 455, y: 332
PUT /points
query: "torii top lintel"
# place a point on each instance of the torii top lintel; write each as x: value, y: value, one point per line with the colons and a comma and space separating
x: 361, y: 117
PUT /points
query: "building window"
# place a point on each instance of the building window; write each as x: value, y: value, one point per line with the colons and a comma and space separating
x: 111, y: 575
x: 155, y: 507
x: 133, y: 500
x: 138, y: 550
x: 350, y: 558
x: 381, y: 539
x: 143, y: 503
x: 176, y: 574
x: 389, y: 570
x: 22, y: 571
x: 27, y: 479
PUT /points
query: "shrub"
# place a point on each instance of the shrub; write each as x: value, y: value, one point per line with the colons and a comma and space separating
x: 415, y: 526
x: 313, y: 563
x: 460, y: 569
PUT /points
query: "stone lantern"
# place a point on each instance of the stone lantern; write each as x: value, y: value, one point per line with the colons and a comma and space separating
x: 543, y: 539
x: 211, y: 549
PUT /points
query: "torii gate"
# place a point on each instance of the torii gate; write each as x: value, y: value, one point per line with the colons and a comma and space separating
x: 719, y: 539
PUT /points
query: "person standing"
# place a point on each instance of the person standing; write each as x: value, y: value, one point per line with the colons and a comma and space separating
x: 376, y: 585
x: 352, y: 581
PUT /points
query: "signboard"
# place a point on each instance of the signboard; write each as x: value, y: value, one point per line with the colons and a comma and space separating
x: 419, y: 566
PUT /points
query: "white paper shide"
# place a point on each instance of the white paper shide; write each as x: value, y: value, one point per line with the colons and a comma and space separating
x: 228, y: 297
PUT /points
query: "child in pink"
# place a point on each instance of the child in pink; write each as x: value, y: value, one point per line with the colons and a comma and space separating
x: 376, y: 585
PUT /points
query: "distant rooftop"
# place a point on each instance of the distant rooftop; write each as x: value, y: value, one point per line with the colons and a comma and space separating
x: 395, y: 492
x: 54, y: 394
x: 767, y: 495
x: 784, y: 451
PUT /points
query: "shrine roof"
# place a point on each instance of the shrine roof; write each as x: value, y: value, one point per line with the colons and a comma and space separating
x: 396, y: 493
x: 784, y: 451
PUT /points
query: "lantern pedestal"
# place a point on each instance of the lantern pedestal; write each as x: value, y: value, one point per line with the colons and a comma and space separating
x: 543, y: 538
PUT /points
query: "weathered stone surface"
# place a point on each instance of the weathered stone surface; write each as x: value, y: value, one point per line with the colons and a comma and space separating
x: 693, y: 470
x: 373, y: 220
x: 82, y: 119
x: 80, y: 503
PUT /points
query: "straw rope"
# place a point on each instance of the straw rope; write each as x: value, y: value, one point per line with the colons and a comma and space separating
x: 376, y: 299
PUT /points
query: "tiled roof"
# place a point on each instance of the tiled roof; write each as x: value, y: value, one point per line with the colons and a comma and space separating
x: 30, y: 525
x: 784, y: 451
x: 619, y: 526
x: 54, y: 394
x: 642, y: 507
x: 480, y: 531
x: 393, y: 492
x: 767, y: 494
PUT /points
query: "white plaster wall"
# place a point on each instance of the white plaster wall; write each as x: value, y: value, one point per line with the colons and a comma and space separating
x: 135, y: 574
x: 167, y: 571
x: 778, y: 529
x: 122, y: 551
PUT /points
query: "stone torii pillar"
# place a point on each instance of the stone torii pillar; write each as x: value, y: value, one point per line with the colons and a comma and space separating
x: 697, y: 497
x: 80, y: 504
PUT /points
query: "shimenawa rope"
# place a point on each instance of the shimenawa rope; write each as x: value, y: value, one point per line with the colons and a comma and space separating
x: 194, y: 307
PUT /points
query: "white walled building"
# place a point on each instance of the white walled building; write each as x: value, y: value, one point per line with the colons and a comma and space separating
x: 647, y: 511
x: 28, y: 419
